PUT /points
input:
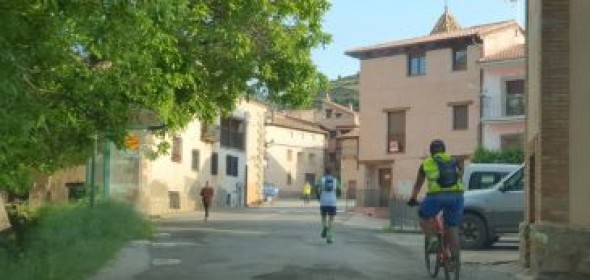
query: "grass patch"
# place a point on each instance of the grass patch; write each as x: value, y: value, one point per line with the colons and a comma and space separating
x: 72, y: 241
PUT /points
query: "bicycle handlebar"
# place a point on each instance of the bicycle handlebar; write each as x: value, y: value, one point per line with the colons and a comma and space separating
x: 413, y: 202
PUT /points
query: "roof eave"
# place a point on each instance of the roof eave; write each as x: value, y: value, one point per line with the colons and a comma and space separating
x: 360, y: 53
x: 313, y: 130
x: 501, y: 61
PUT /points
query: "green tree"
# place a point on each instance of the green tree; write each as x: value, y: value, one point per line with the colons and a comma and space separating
x: 71, y: 69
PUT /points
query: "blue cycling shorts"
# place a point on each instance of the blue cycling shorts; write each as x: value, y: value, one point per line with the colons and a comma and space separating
x: 328, y: 210
x: 450, y: 203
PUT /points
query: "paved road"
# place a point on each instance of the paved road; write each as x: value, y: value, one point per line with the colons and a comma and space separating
x: 280, y: 242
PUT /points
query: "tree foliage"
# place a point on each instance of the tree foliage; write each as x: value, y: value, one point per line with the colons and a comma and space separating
x: 74, y: 69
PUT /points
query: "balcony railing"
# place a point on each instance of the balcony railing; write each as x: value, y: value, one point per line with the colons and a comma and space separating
x: 515, y: 105
x: 497, y: 108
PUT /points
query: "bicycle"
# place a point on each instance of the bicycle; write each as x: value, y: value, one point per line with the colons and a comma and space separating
x: 441, y: 255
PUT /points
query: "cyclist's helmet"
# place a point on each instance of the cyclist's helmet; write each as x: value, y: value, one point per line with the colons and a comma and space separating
x: 437, y: 146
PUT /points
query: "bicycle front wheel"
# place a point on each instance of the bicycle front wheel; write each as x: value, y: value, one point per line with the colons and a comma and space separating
x: 432, y: 258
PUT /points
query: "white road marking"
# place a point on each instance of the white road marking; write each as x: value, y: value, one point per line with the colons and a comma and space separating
x: 174, y: 244
x: 161, y: 262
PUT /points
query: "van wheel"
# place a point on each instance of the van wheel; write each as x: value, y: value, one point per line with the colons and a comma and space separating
x: 474, y: 233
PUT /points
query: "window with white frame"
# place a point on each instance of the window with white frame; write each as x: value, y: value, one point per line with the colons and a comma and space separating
x: 514, y: 97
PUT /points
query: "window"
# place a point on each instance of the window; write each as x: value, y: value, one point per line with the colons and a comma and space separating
x: 332, y: 156
x: 232, y: 133
x: 299, y: 157
x: 515, y: 182
x: 511, y: 141
x: 289, y: 155
x: 396, y: 132
x: 174, y: 200
x: 177, y: 149
x: 328, y: 113
x: 460, y: 117
x: 333, y: 134
x: 289, y: 179
x: 417, y: 64
x: 231, y: 165
x: 214, y: 163
x: 311, y: 158
x: 196, y: 160
x: 460, y: 59
x: 485, y: 180
x: 515, y: 98
x: 338, y: 115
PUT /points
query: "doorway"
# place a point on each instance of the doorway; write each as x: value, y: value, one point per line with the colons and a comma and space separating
x: 310, y: 177
x: 384, y: 186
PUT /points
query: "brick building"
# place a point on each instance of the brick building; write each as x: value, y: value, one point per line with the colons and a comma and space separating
x: 556, y: 232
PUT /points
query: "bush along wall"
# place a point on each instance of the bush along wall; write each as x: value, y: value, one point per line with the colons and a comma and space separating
x: 483, y: 155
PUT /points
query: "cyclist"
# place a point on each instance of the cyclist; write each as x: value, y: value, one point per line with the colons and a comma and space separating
x: 445, y: 192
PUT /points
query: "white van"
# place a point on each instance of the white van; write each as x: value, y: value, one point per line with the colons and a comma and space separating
x: 493, y: 211
x: 481, y: 176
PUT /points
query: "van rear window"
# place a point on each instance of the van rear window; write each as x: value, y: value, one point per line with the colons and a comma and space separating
x: 485, y: 179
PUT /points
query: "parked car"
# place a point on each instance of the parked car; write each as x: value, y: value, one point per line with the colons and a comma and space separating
x: 478, y: 176
x: 490, y: 212
x: 270, y: 191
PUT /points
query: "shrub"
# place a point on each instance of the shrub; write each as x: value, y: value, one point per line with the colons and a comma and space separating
x: 483, y: 155
x: 73, y: 241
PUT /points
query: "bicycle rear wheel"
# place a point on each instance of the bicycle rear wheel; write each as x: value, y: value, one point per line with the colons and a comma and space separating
x: 452, y: 267
x: 432, y: 259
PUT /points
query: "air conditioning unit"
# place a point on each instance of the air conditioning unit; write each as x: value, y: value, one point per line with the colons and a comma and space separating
x: 210, y: 133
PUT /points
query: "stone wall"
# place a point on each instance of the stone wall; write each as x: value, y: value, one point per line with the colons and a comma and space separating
x: 560, y: 249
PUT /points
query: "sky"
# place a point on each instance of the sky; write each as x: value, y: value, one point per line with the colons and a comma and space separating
x: 357, y: 23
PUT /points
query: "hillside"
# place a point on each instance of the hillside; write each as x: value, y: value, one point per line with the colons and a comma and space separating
x: 345, y: 91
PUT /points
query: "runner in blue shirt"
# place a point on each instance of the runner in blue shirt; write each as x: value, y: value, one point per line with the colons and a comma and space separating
x: 328, y: 191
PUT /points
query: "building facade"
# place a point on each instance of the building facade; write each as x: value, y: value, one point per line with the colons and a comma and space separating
x: 348, y: 150
x: 415, y: 90
x: 294, y: 155
x: 556, y: 232
x: 227, y: 155
x: 503, y: 102
x: 337, y: 120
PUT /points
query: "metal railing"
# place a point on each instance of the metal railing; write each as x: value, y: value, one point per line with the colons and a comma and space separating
x: 401, y: 216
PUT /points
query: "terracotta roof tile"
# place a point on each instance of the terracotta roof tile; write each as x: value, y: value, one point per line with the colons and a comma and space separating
x: 341, y: 107
x: 477, y: 30
x: 282, y: 120
x: 511, y: 53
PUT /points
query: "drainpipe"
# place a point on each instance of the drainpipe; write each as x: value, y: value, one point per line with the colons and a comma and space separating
x: 481, y: 108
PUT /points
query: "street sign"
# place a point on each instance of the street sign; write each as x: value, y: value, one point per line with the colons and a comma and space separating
x: 132, y: 142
